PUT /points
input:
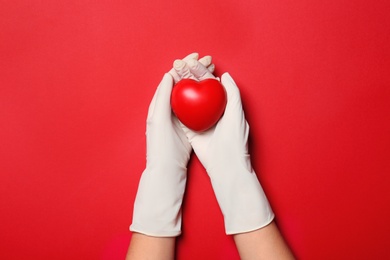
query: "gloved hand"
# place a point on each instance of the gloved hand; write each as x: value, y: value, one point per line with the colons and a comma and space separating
x: 157, y: 208
x: 223, y: 151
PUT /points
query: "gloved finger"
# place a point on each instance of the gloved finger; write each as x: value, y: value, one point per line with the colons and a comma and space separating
x: 183, y: 70
x: 199, y: 70
x: 211, y: 68
x: 233, y: 94
x: 192, y: 56
x: 206, y: 61
x: 160, y: 105
x: 233, y: 119
x: 175, y: 76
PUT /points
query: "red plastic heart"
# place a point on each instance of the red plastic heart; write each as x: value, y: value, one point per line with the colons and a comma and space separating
x: 198, y: 104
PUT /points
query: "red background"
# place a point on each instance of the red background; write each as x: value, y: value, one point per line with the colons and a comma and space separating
x: 76, y: 78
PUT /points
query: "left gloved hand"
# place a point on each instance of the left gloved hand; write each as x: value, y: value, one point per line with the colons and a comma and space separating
x: 157, y: 208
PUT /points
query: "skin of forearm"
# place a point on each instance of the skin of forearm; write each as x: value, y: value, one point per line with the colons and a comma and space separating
x: 265, y: 243
x: 143, y: 247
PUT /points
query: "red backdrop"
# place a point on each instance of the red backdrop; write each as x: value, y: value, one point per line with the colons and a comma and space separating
x: 76, y: 78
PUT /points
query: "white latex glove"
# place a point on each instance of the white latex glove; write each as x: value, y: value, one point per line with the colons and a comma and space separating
x: 223, y: 151
x: 157, y: 208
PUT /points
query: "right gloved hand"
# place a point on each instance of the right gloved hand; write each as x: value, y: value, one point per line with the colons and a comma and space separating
x: 223, y: 151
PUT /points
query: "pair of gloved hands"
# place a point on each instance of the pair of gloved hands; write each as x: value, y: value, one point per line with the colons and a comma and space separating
x: 222, y: 150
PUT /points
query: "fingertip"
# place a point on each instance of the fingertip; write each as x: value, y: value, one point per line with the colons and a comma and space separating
x: 178, y: 64
x: 164, y: 91
x: 165, y: 85
x: 192, y: 56
x: 226, y: 76
x: 206, y: 60
x: 228, y: 80
x: 229, y: 84
x: 168, y: 77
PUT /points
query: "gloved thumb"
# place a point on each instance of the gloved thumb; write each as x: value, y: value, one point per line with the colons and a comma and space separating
x: 161, y: 102
x: 233, y: 94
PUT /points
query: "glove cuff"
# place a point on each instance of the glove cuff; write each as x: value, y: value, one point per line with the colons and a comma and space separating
x: 242, y: 200
x: 157, y: 207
